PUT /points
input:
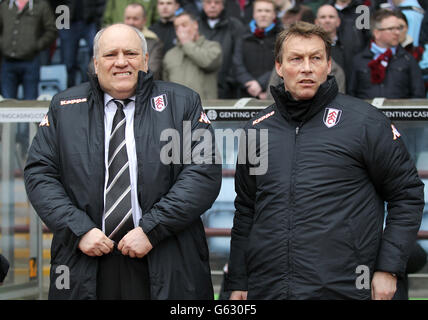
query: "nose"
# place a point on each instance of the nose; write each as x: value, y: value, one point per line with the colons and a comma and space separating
x: 121, y: 60
x: 306, y: 66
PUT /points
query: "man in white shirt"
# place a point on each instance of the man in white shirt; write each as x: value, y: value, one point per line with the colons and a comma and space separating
x: 125, y: 222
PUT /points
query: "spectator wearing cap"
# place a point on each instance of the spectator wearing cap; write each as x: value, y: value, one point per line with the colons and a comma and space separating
x: 384, y: 68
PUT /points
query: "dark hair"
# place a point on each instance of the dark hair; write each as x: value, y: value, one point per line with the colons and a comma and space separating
x: 136, y: 4
x: 186, y: 13
x: 400, y: 15
x: 302, y: 29
x: 379, y: 16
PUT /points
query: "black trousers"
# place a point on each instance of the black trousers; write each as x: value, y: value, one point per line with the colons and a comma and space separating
x: 122, y: 278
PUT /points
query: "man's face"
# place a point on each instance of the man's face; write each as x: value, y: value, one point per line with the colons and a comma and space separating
x: 402, y: 24
x: 387, y: 34
x: 264, y: 14
x: 304, y: 66
x: 328, y: 19
x: 134, y: 17
x: 167, y: 8
x: 118, y: 61
x: 183, y: 24
x: 213, y: 8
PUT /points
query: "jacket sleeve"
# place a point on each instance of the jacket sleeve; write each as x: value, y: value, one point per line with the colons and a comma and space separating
x: 49, y: 29
x: 46, y: 192
x: 208, y: 56
x: 245, y: 188
x: 263, y: 80
x: 395, y: 178
x: 195, y: 189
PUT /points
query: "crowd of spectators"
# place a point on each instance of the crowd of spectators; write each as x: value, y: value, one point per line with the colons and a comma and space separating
x: 223, y: 48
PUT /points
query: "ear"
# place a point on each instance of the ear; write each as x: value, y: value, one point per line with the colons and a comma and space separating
x: 278, y: 68
x: 146, y: 62
x: 375, y: 34
x: 95, y: 65
x: 329, y: 65
x: 338, y: 22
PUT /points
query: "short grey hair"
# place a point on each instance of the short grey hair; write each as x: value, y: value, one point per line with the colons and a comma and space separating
x: 99, y: 34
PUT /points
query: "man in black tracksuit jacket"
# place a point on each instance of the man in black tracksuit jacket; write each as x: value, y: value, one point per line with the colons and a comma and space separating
x: 310, y: 226
x: 65, y: 178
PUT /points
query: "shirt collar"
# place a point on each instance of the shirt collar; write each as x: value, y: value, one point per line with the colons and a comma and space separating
x: 108, y: 98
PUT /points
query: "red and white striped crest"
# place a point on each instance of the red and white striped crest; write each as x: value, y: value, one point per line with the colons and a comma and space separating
x: 331, y: 117
x: 159, y: 103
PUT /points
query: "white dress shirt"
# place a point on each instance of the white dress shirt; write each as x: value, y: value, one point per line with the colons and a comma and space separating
x: 109, y: 112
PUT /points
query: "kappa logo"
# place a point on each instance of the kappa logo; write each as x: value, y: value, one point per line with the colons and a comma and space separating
x: 395, y: 133
x: 159, y: 103
x: 72, y: 101
x: 331, y: 117
x: 45, y: 121
x: 204, y: 118
x: 267, y: 115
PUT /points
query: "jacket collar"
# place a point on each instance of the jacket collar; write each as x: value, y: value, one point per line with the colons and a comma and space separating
x: 303, y: 111
x: 367, y: 53
x: 222, y: 19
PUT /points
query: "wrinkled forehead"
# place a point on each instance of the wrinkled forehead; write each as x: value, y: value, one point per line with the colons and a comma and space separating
x: 119, y: 36
x: 303, y: 44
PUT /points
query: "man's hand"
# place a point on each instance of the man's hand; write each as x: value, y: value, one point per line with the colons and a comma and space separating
x: 135, y: 243
x: 253, y: 88
x: 262, y: 96
x: 185, y: 36
x: 384, y: 286
x: 238, y: 295
x: 95, y: 243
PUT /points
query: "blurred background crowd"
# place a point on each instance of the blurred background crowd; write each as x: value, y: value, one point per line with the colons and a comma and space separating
x: 223, y: 49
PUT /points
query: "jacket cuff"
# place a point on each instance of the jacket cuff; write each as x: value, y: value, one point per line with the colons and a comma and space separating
x: 78, y: 226
x: 153, y: 229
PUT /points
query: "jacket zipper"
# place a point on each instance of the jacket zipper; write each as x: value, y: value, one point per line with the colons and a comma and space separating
x: 290, y: 222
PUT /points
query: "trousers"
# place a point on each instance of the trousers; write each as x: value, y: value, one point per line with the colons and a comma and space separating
x: 121, y: 277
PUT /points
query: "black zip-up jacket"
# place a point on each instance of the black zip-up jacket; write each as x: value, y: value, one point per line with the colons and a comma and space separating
x: 64, y: 179
x: 303, y: 227
x: 403, y: 77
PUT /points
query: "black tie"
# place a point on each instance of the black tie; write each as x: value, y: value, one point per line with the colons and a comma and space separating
x: 118, y: 207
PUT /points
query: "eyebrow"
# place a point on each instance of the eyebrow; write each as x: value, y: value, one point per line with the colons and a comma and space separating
x: 318, y: 51
x: 116, y: 49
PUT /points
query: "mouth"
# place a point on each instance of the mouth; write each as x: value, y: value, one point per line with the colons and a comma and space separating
x: 306, y: 82
x: 122, y: 74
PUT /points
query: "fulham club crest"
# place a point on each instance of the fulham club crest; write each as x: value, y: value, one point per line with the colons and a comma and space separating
x: 159, y: 103
x: 331, y: 117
